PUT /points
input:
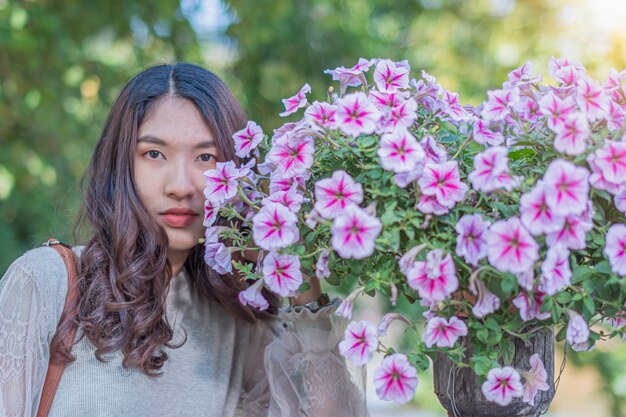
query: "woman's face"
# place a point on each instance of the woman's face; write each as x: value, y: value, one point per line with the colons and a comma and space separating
x: 174, y: 148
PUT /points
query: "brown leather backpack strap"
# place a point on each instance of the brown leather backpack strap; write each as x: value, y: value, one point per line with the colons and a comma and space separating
x: 55, y: 370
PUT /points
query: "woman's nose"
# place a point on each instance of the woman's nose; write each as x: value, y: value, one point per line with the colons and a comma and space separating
x: 180, y: 183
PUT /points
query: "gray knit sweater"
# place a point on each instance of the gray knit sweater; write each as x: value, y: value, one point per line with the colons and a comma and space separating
x: 225, y: 367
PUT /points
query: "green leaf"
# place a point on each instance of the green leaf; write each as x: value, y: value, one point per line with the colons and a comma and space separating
x: 603, y: 267
x: 506, y: 352
x: 589, y: 306
x: 420, y: 361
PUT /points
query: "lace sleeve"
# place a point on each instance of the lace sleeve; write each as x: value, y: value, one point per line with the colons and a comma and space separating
x: 304, y: 374
x: 32, y: 295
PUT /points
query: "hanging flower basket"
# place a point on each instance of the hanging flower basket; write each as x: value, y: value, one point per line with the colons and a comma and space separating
x: 390, y: 186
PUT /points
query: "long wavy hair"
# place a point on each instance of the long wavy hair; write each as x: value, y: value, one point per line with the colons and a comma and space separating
x: 123, y: 271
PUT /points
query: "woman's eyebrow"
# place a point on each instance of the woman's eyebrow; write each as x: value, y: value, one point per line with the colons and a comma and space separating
x: 206, y: 144
x: 156, y: 141
x: 151, y: 139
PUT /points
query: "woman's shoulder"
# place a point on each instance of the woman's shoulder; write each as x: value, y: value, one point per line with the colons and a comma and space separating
x: 40, y: 271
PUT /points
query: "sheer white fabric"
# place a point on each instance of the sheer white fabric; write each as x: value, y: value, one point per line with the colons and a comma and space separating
x: 289, y: 369
x: 29, y: 313
x: 303, y: 373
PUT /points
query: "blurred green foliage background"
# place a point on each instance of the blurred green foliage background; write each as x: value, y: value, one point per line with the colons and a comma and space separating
x: 63, y: 62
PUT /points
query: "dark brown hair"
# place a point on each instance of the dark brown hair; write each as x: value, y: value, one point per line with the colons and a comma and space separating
x: 123, y: 272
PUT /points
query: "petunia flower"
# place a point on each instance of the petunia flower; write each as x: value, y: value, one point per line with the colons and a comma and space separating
x: 499, y: 104
x: 615, y: 248
x: 573, y: 234
x: 502, y: 385
x: 591, y: 99
x: 354, y: 233
x: 535, y: 379
x: 247, y: 139
x: 444, y: 182
x: 396, y: 379
x: 211, y: 211
x: 529, y: 306
x: 356, y: 115
x: 452, y: 107
x: 556, y: 110
x: 442, y: 332
x: 351, y: 77
x: 435, y: 279
x: 346, y: 306
x: 470, y: 242
x: 221, y: 182
x: 571, y: 138
x: 399, y: 151
x: 360, y: 342
x: 293, y: 156
x: 281, y: 273
x: 402, y: 115
x: 599, y: 181
x: 384, y: 323
x: 510, y: 247
x: 567, y: 187
x: 526, y: 279
x: 535, y: 213
x: 577, y: 333
x: 216, y: 254
x: 253, y: 296
x: 620, y: 201
x: 403, y: 179
x: 390, y: 77
x: 555, y: 271
x: 274, y: 227
x: 321, y: 266
x: 334, y: 194
x: 435, y: 153
x: 321, y: 114
x: 488, y: 167
x: 483, y: 135
x: 291, y: 199
x: 487, y: 301
x: 611, y: 160
x: 292, y: 104
x: 557, y: 64
x: 278, y: 182
x: 523, y: 74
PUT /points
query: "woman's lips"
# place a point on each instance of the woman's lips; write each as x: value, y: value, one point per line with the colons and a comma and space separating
x: 178, y: 220
x: 179, y: 217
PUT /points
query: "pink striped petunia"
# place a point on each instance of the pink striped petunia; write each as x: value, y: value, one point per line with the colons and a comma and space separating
x: 510, y: 247
x: 502, y: 385
x: 434, y: 280
x: 360, y: 342
x: 442, y: 332
x: 615, y: 249
x: 274, y: 227
x: 567, y: 187
x: 535, y: 213
x: 293, y: 156
x: 247, y: 139
x: 444, y: 182
x: 281, y: 273
x: 499, y: 104
x: 399, y: 151
x: 334, y: 194
x: 390, y: 77
x: 356, y: 115
x: 396, y: 379
x: 292, y: 104
x: 354, y: 233
x: 221, y: 182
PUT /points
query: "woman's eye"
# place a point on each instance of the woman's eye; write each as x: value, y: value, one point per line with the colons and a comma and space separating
x: 153, y: 154
x: 205, y: 157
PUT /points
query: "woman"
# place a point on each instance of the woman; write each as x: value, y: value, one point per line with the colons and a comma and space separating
x: 159, y: 333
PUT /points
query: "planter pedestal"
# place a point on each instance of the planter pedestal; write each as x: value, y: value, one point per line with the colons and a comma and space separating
x: 459, y: 391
